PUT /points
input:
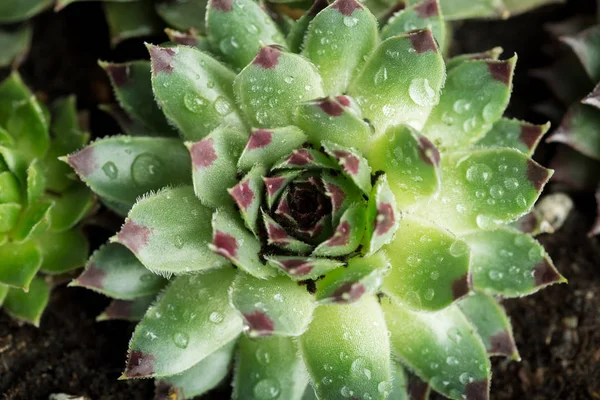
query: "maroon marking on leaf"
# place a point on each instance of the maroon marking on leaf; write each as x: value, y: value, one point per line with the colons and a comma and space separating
x: 276, y: 233
x: 502, y: 343
x: 348, y: 160
x: 118, y: 309
x: 343, y: 100
x: 119, y: 74
x: 500, y: 71
x: 92, y: 277
x: 134, y: 236
x: 259, y: 323
x: 337, y: 196
x: 477, y: 390
x: 537, y: 175
x: 423, y: 41
x: 544, y: 273
x: 161, y: 58
x: 242, y: 194
x: 331, y: 107
x: 259, y: 138
x: 428, y: 152
x: 528, y: 223
x: 427, y: 9
x: 341, y: 237
x: 530, y: 135
x: 139, y: 365
x: 417, y: 389
x: 384, y: 219
x: 84, y: 162
x: 299, y: 157
x: 352, y: 291
x: 267, y: 57
x: 460, y: 287
x: 222, y: 5
x: 273, y: 184
x: 203, y: 153
x: 346, y: 7
x: 296, y: 267
x: 315, y: 230
x: 283, y: 208
x: 225, y: 244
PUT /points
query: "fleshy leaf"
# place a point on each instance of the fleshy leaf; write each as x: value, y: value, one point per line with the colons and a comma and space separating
x: 579, y: 130
x: 382, y: 216
x: 193, y: 90
x: 169, y: 232
x: 492, y: 54
x: 519, y: 135
x: 28, y: 306
x: 15, y: 43
x: 474, y: 97
x: 237, y: 29
x: 275, y: 185
x: 277, y: 236
x: 233, y: 241
x: 334, y: 119
x: 485, y: 188
x: 411, y: 163
x: 338, y: 41
x: 347, y: 236
x: 131, y: 19
x: 120, y: 169
x: 585, y: 46
x: 267, y: 146
x: 363, y: 276
x: 270, y: 88
x: 347, y: 351
x: 28, y: 126
x: 301, y: 268
x: 214, y: 161
x: 278, y: 306
x: 19, y: 10
x: 510, y: 264
x: 183, y: 15
x: 305, y: 159
x: 407, y: 386
x: 354, y: 165
x: 269, y: 368
x: 34, y: 220
x: 70, y: 206
x: 248, y: 196
x: 176, y: 324
x: 19, y: 263
x: 429, y: 266
x: 200, y: 378
x: 401, y: 81
x: 491, y: 323
x: 127, y: 310
x: 114, y: 271
x: 297, y: 32
x: 62, y: 251
x: 342, y: 192
x: 9, y: 215
x: 189, y: 38
x: 441, y: 348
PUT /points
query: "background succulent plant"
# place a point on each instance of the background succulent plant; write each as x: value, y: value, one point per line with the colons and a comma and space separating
x: 330, y: 217
x: 40, y: 204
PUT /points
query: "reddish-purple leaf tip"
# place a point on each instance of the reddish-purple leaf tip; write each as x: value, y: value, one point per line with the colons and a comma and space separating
x: 276, y: 233
x: 477, y: 390
x: 423, y: 41
x: 273, y: 184
x: 259, y: 323
x: 161, y: 58
x: 299, y: 157
x: 139, y: 365
x: 331, y: 107
x: 530, y: 134
x: 225, y: 245
x: 346, y: 7
x: 384, y: 218
x: 544, y: 273
x: 296, y: 267
x: 91, y: 277
x: 427, y: 9
x: 337, y: 196
x: 348, y: 160
x: 118, y: 73
x: 417, y: 389
x: 242, y: 195
x: 502, y: 343
x: 84, y: 161
x: 134, y: 236
x: 118, y: 309
x: 501, y: 71
x: 267, y: 57
x: 428, y: 152
x: 537, y: 175
x: 259, y: 138
x: 341, y: 237
x: 460, y: 287
x: 203, y: 153
x: 348, y: 292
x: 222, y: 5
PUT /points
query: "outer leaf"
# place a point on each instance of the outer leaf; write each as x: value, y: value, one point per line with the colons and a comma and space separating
x: 120, y: 169
x: 302, y: 268
x: 128, y: 310
x: 491, y: 323
x: 266, y: 146
x: 269, y: 368
x: 177, y: 324
x: 270, y: 88
x: 202, y: 377
x: 585, y: 45
x: 492, y: 54
x: 441, y: 348
x: 15, y: 44
x: 19, y: 264
x: 128, y: 20
x: 70, y: 206
x: 9, y: 215
x: 19, y: 10
x: 32, y: 221
x: 338, y: 41
x: 475, y: 96
x: 192, y: 89
x: 237, y: 29
x: 169, y: 232
x: 352, y: 163
x: 188, y: 38
x: 183, y: 15
x: 347, y: 235
x: 513, y: 133
x: 62, y: 252
x: 509, y: 263
x: 278, y: 306
x: 346, y: 350
x: 114, y: 271
x: 28, y: 126
x: 297, y: 32
x: 401, y: 81
x: 28, y: 306
x: 429, y: 266
x: 579, y: 130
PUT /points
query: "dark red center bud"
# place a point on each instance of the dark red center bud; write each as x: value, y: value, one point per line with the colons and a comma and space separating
x: 308, y: 204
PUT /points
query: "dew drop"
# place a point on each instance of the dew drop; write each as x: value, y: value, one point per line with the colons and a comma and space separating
x: 346, y: 392
x: 215, y: 317
x: 146, y: 169
x: 534, y: 254
x: 228, y: 46
x: 511, y: 183
x: 288, y: 79
x: 479, y: 173
x: 434, y: 275
x: 421, y: 92
x: 350, y: 21
x: 429, y: 294
x: 178, y: 241
x: 181, y: 339
x: 326, y: 380
x: 110, y: 170
x: 451, y: 360
x: 194, y: 103
x: 458, y: 248
x: 222, y: 106
x: 465, y: 378
x: 460, y: 106
x: 496, y: 191
x: 263, y: 356
x: 267, y: 389
x: 495, y: 275
x: 454, y: 335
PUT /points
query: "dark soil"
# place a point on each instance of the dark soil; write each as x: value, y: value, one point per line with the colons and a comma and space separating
x: 557, y: 330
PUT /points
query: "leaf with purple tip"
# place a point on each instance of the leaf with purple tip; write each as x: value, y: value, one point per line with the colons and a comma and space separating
x: 492, y: 54
x: 302, y: 268
x: 188, y: 38
x: 276, y: 184
x: 305, y: 159
x: 131, y: 19
x: 267, y: 146
x: 248, y: 196
x: 183, y: 14
x: 176, y: 324
x: 277, y: 236
x: 513, y: 133
x: 347, y: 235
x: 578, y: 130
x: 585, y: 45
x: 382, y: 217
x: 352, y: 164
x: 342, y: 192
x: 28, y: 306
x: 127, y: 310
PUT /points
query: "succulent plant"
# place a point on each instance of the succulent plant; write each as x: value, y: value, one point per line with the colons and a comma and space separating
x: 40, y: 204
x: 340, y: 208
x: 577, y: 159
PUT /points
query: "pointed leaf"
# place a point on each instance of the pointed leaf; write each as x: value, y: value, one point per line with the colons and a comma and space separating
x: 131, y: 19
x: 189, y: 38
x: 302, y: 268
x: 266, y: 146
x: 578, y: 130
x: 169, y: 232
x: 401, y: 81
x: 62, y: 251
x: 183, y: 15
x: 354, y: 165
x: 10, y: 189
x: 275, y: 185
x: 297, y: 33
x: 19, y: 10
x: 420, y: 15
x: 585, y: 46
x: 127, y: 310
x: 28, y: 306
x: 15, y: 43
x: 34, y: 220
x: 277, y: 236
x: 278, y: 306
x: 382, y: 217
x: 347, y: 235
x: 346, y: 350
x: 270, y: 88
x: 19, y: 263
x: 442, y: 349
x: 248, y: 196
x: 513, y: 133
x: 492, y: 54
x: 342, y: 192
x: 70, y: 206
x: 176, y: 324
x: 9, y: 215
x: 114, y: 271
x: 192, y: 89
x: 28, y: 126
x: 305, y: 159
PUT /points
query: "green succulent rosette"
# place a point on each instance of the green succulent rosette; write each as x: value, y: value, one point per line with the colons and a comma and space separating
x: 40, y: 204
x: 337, y: 221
